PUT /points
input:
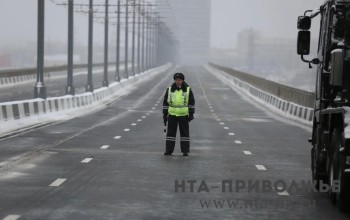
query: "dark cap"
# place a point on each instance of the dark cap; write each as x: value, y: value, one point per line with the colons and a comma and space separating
x: 179, y: 76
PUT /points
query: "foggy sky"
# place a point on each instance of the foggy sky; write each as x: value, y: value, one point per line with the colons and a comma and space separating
x: 274, y: 18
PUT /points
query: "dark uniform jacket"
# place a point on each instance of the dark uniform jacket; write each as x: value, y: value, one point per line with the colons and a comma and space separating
x: 191, y: 101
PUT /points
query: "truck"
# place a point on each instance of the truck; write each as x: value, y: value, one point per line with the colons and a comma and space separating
x: 330, y: 140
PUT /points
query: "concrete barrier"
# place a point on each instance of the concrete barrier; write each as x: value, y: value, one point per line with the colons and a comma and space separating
x: 17, y: 76
x: 19, y: 114
x: 282, y: 107
x: 298, y: 96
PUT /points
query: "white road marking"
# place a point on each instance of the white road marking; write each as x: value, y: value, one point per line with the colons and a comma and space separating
x: 133, y: 124
x: 87, y: 160
x: 284, y: 193
x: 213, y: 114
x: 226, y: 128
x: 222, y: 123
x: 260, y: 167
x: 218, y: 119
x: 126, y: 129
x: 58, y: 182
x: 212, y: 110
x: 238, y: 142
x: 210, y: 107
x: 158, y: 101
x: 155, y: 104
x: 247, y: 152
x: 231, y: 134
x: 104, y: 147
x: 139, y: 119
x: 3, y: 163
x: 117, y: 137
x: 147, y: 113
x: 11, y: 217
x: 153, y: 108
x: 143, y: 117
x: 256, y: 120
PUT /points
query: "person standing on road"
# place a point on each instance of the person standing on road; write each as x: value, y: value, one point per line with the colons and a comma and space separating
x: 178, y: 109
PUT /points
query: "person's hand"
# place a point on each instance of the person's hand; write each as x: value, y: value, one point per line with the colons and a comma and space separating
x: 165, y: 118
x: 190, y: 117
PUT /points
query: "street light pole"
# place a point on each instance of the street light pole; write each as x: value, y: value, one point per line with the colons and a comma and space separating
x: 143, y: 35
x: 147, y: 38
x: 117, y: 72
x: 40, y: 89
x: 89, y: 86
x: 70, y: 88
x: 139, y: 38
x: 105, y: 82
x: 126, y: 74
x: 133, y: 37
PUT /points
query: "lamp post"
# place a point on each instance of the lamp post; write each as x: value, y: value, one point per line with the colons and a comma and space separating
x: 89, y: 86
x: 40, y: 89
x: 105, y: 82
x: 126, y: 74
x: 70, y: 88
x: 117, y: 72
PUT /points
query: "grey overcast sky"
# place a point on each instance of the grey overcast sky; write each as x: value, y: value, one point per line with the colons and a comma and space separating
x: 274, y: 18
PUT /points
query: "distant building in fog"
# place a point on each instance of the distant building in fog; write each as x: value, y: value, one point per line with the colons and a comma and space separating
x: 260, y: 54
x: 192, y: 28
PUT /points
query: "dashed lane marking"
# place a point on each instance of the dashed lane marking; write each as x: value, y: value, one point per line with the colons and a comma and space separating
x: 222, y: 123
x: 226, y: 128
x: 238, y: 142
x: 143, y: 117
x: 87, y: 160
x: 139, y: 119
x: 11, y: 217
x: 260, y: 167
x: 231, y: 134
x: 58, y: 182
x: 247, y: 152
x: 104, y: 147
x: 126, y: 129
x: 283, y: 193
x: 117, y: 137
x: 133, y: 124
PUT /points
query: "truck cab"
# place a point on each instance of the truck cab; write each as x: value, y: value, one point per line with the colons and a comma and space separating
x: 330, y: 153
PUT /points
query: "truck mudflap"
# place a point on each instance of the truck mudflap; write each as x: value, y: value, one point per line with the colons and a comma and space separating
x: 345, y: 151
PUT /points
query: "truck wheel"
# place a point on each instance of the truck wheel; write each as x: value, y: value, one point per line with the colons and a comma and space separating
x: 343, y: 197
x: 316, y: 168
x: 333, y: 172
x: 337, y: 165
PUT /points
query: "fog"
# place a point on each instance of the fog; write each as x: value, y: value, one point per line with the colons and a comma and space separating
x: 269, y: 20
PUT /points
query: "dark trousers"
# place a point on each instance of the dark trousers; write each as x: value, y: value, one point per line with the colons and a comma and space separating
x: 182, y: 121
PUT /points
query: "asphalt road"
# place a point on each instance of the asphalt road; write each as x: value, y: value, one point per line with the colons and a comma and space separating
x: 110, y: 164
x: 56, y: 85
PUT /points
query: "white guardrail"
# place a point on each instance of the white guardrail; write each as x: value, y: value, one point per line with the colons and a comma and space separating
x: 23, y: 114
x: 289, y: 110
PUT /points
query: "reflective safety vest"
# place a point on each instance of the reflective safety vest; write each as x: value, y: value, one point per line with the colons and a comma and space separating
x: 178, y: 102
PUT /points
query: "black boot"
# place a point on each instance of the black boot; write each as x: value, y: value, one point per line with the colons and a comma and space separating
x: 167, y: 154
x: 185, y: 154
